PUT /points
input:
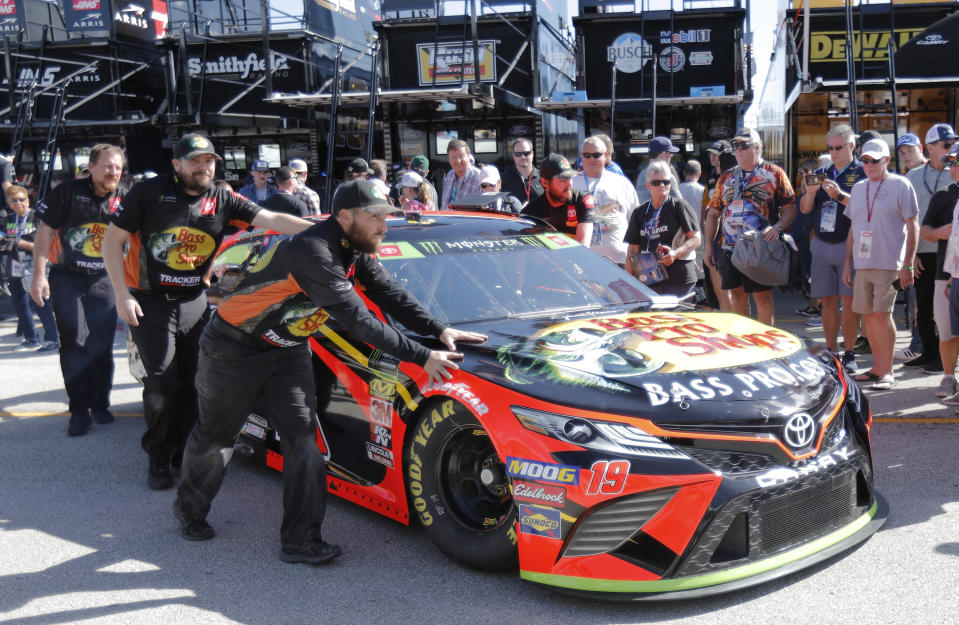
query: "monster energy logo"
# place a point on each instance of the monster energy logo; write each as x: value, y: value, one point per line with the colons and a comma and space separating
x: 430, y: 247
x: 532, y: 241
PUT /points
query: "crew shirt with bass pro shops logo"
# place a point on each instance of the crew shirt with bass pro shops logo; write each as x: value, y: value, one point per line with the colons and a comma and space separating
x: 298, y: 285
x: 176, y: 234
x: 80, y: 219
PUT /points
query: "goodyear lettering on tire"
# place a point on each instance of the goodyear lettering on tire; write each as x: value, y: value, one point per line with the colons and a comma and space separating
x: 414, y: 470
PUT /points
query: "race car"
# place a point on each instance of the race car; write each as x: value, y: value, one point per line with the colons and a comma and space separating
x: 605, y: 440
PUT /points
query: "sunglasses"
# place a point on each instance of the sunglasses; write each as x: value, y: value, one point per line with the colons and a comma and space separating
x: 947, y: 144
x: 870, y: 161
x: 658, y: 183
x: 741, y: 145
x: 16, y: 199
x: 594, y: 154
x: 834, y: 148
x: 487, y: 185
x: 527, y: 153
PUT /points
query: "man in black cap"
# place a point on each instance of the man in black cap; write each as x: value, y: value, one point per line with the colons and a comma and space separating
x: 660, y: 149
x: 256, y: 344
x: 358, y: 169
x: 286, y: 200
x: 567, y: 210
x: 177, y: 221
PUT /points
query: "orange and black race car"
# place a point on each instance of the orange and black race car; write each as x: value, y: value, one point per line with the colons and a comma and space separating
x: 605, y: 440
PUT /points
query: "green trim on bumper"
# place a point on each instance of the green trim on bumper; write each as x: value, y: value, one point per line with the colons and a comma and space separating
x: 709, y: 579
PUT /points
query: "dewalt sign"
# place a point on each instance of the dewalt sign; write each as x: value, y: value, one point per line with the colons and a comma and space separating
x: 830, y: 46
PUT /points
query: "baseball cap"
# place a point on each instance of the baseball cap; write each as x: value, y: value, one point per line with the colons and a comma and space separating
x: 409, y: 179
x: 260, y: 165
x: 284, y: 174
x: 363, y: 194
x: 420, y: 162
x: 940, y: 132
x: 192, y: 145
x: 658, y: 145
x: 298, y: 165
x: 489, y: 175
x: 556, y: 166
x: 875, y: 148
x: 719, y: 147
x: 908, y: 139
x: 359, y: 166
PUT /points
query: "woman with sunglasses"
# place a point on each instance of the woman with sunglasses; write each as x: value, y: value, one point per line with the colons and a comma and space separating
x: 18, y: 233
x: 665, y: 230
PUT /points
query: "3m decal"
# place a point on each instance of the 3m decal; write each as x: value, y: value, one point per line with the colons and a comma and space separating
x: 381, y: 412
x: 379, y: 454
x: 609, y: 477
x: 539, y: 493
x: 544, y: 471
x: 540, y: 521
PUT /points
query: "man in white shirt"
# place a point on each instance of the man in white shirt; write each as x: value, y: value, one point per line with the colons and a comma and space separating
x: 614, y: 198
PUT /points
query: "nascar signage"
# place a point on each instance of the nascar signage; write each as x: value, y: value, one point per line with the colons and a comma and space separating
x: 12, y: 19
x: 453, y: 62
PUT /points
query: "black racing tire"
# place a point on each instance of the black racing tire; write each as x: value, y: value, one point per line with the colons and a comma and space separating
x: 458, y: 488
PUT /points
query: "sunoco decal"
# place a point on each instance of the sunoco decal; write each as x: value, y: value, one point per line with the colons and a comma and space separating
x: 540, y: 521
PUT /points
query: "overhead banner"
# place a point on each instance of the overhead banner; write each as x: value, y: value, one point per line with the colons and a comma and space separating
x: 452, y: 63
x: 12, y: 18
x: 86, y: 15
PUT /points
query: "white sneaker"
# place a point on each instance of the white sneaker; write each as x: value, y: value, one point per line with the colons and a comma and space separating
x: 947, y: 387
x: 906, y: 354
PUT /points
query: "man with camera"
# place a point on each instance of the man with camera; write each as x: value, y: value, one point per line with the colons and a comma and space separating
x: 881, y: 250
x: 666, y: 230
x: 827, y: 191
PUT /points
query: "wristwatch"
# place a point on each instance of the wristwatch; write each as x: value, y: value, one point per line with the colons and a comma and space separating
x: 778, y: 227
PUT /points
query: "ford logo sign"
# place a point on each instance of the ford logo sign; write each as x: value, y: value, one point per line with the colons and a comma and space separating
x: 799, y: 430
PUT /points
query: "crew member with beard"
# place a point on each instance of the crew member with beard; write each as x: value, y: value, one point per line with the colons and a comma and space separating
x: 73, y: 219
x: 178, y: 221
x: 257, y: 345
x: 566, y: 210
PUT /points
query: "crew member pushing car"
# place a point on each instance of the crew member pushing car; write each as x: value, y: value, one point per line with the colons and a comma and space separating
x: 178, y: 221
x: 256, y: 345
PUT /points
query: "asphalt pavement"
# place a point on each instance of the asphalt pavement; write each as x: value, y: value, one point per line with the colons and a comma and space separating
x: 83, y: 540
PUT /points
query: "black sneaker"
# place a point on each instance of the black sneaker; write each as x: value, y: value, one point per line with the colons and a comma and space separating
x: 849, y: 362
x: 933, y: 367
x: 193, y: 530
x: 862, y: 346
x: 79, y: 424
x: 919, y: 361
x: 159, y: 476
x: 102, y: 416
x: 809, y: 311
x: 311, y: 553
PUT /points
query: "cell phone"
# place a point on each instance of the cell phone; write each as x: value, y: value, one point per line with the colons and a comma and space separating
x: 812, y: 179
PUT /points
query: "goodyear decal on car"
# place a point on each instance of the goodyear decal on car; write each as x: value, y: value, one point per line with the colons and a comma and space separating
x: 543, y: 471
x: 540, y: 521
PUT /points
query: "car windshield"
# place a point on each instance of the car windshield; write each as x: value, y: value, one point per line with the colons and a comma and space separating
x: 496, y: 277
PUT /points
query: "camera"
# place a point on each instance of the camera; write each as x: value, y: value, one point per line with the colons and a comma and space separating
x: 812, y: 179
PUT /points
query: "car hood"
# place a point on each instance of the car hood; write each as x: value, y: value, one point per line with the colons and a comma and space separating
x: 642, y: 363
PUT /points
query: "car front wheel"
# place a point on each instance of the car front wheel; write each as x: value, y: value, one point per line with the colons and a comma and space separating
x: 459, y: 489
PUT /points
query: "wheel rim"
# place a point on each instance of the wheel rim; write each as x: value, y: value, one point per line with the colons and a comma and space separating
x: 473, y: 479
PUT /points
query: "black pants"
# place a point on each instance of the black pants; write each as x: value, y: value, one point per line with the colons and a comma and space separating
x: 168, y: 340
x: 230, y: 377
x: 925, y: 319
x: 86, y: 316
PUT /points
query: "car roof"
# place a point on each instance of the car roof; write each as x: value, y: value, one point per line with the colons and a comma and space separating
x: 432, y: 225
